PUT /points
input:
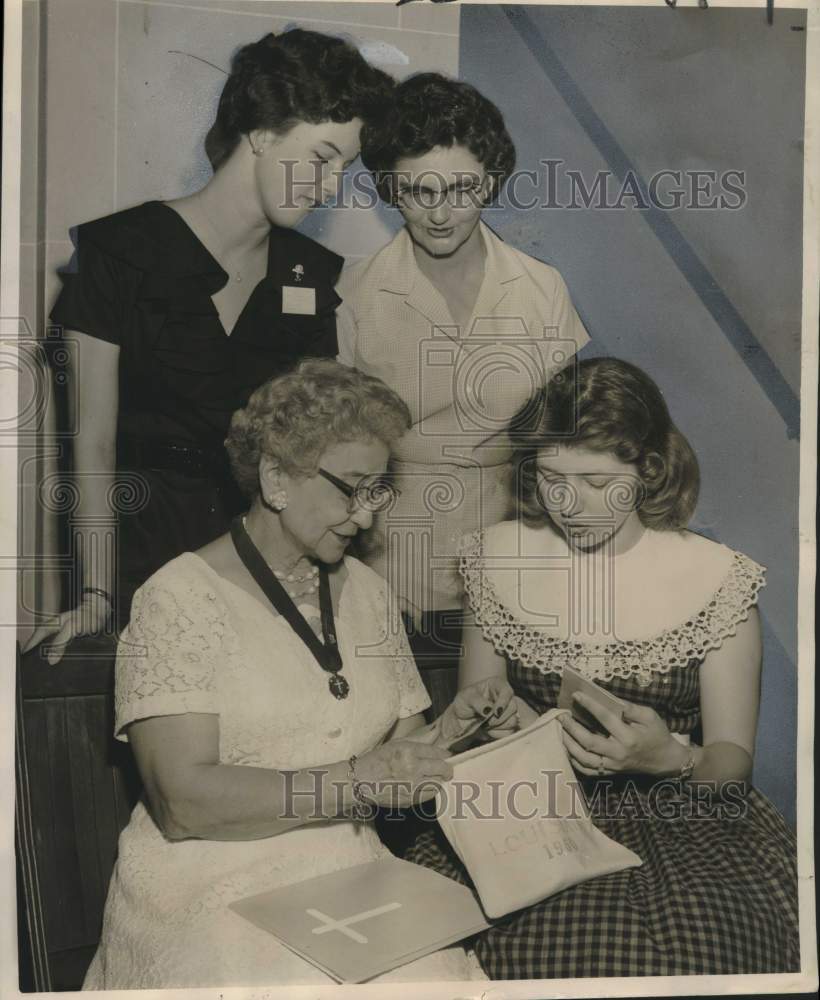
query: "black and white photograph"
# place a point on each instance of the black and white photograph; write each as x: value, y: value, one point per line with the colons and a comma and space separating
x: 409, y: 449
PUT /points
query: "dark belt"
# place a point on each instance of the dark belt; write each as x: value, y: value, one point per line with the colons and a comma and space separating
x: 174, y: 456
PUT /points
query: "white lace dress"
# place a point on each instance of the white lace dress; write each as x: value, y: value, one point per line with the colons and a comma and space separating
x: 198, y: 643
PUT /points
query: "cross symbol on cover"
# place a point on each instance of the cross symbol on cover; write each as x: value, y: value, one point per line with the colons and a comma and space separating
x: 343, y: 926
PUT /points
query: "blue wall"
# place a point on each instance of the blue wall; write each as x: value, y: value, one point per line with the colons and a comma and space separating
x: 707, y: 301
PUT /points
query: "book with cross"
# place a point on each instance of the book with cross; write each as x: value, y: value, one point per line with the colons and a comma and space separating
x: 360, y: 922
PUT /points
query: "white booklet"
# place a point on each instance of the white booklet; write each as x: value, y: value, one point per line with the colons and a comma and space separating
x: 362, y: 921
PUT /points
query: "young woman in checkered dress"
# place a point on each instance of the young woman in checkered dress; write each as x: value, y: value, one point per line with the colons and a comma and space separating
x: 599, y: 572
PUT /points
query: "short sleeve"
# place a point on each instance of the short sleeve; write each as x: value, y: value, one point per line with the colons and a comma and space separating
x: 413, y: 696
x: 491, y: 583
x: 379, y: 604
x: 96, y: 293
x: 345, y: 327
x: 479, y: 597
x: 566, y: 322
x: 168, y: 654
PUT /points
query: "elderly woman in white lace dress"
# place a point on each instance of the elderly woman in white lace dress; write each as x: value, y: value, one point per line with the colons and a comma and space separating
x: 600, y: 574
x: 270, y: 651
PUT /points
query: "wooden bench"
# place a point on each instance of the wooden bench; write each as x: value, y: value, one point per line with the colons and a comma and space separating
x: 76, y: 787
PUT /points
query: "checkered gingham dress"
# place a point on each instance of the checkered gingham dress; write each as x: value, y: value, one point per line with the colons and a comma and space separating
x: 715, y: 894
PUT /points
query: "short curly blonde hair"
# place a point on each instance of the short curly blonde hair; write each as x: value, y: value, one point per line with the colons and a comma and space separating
x: 297, y: 416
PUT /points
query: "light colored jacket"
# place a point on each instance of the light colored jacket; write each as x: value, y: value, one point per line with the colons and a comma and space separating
x: 461, y: 386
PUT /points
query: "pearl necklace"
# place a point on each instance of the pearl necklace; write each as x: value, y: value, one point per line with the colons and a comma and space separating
x: 311, y: 577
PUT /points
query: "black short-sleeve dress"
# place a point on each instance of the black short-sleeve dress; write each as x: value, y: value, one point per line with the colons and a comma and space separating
x: 142, y: 279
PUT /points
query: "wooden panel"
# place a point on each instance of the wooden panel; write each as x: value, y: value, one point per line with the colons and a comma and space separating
x: 82, y: 786
x: 67, y: 894
x: 88, y: 814
x: 87, y: 668
x: 31, y: 945
x: 68, y: 968
x: 39, y: 790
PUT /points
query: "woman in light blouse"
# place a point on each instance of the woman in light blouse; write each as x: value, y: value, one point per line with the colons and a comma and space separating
x: 462, y: 326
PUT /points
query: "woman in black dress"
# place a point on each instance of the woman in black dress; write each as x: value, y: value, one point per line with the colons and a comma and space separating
x: 180, y: 309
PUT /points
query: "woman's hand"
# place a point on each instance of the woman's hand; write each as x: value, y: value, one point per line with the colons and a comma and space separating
x: 92, y: 615
x: 638, y: 743
x: 401, y: 772
x: 94, y: 397
x: 491, y: 701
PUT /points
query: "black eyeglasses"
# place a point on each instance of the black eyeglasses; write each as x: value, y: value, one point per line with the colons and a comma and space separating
x: 457, y: 196
x: 374, y: 494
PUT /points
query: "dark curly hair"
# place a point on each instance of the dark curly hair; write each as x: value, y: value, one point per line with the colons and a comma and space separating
x: 298, y: 76
x: 608, y: 405
x: 431, y: 110
x: 297, y: 416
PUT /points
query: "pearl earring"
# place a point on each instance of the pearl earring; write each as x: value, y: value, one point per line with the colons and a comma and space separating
x: 278, y: 500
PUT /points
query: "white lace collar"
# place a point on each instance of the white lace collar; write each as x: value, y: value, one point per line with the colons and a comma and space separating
x: 639, y: 658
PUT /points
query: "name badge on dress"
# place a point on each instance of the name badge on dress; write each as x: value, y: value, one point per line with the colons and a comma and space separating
x: 298, y: 301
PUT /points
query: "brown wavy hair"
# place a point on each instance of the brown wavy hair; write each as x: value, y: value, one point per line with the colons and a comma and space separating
x: 430, y: 110
x: 608, y: 405
x: 297, y: 76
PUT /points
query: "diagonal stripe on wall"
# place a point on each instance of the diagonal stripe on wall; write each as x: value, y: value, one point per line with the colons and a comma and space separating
x: 736, y: 330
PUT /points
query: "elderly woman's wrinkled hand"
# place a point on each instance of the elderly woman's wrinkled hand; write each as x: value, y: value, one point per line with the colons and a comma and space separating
x: 402, y: 772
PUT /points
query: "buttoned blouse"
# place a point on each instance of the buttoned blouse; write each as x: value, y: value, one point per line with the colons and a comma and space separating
x: 394, y: 324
